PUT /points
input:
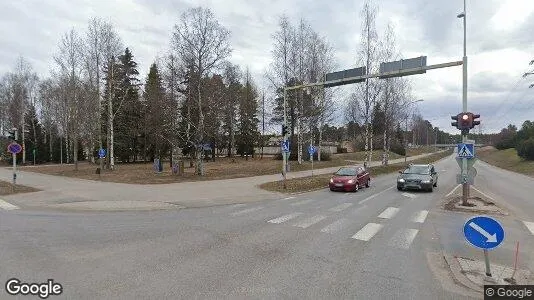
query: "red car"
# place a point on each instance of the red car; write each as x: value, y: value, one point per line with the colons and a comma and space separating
x: 350, y: 179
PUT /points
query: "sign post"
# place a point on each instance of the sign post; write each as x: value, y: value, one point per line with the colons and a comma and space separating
x: 484, y: 233
x: 101, y: 155
x: 14, y: 148
x: 311, y: 151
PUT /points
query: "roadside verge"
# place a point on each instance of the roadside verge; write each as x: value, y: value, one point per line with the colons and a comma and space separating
x: 317, y: 182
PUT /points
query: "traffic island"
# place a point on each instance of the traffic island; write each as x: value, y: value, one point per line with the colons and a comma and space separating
x: 477, y: 203
x: 7, y: 188
x: 471, y: 273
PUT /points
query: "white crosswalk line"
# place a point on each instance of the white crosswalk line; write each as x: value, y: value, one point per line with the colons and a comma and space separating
x: 7, y: 206
x: 242, y: 212
x: 530, y: 226
x: 403, y: 238
x: 285, y: 218
x: 389, y: 213
x: 368, y: 231
x: 336, y: 226
x: 302, y: 202
x: 309, y: 221
x: 341, y: 207
x: 420, y: 216
x: 409, y: 195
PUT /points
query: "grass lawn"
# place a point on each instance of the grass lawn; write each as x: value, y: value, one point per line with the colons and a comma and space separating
x: 317, y: 182
x: 221, y: 168
x: 506, y: 159
x: 6, y: 188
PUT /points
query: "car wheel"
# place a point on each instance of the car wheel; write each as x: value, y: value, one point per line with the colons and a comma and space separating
x: 399, y: 188
x: 436, y: 183
x: 357, y: 187
x: 368, y: 183
x: 431, y: 189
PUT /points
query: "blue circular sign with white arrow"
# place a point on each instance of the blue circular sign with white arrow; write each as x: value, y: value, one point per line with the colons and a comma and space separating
x: 483, y: 232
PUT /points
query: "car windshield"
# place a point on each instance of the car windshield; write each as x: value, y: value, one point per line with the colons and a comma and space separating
x: 346, y: 172
x: 421, y: 170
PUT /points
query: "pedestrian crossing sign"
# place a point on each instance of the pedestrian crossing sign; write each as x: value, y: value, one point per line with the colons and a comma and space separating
x: 466, y: 150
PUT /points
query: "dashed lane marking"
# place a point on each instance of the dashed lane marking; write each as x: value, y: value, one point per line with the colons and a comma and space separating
x: 302, y: 202
x: 530, y: 226
x: 375, y: 195
x: 453, y: 190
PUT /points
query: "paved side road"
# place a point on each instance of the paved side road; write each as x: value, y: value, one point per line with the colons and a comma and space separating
x: 78, y: 194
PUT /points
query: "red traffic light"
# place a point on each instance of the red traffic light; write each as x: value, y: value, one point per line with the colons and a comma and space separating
x: 465, y: 117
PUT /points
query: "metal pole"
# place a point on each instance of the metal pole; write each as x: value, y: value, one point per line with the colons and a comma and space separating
x: 486, y: 258
x: 14, y: 169
x: 465, y: 187
x: 284, y: 155
x: 406, y: 141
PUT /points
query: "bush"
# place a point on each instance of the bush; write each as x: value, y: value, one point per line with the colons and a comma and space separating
x: 341, y: 150
x: 525, y: 149
x: 504, y: 144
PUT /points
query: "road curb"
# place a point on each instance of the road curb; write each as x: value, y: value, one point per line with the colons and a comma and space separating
x: 458, y: 276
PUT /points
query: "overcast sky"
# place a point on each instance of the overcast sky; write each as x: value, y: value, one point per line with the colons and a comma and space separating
x: 500, y: 42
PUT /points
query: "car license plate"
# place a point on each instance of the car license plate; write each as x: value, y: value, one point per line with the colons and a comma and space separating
x: 339, y: 184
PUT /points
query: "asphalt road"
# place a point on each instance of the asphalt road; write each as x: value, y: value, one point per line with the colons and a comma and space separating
x: 377, y: 243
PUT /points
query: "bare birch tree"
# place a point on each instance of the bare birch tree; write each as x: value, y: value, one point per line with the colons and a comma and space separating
x: 202, y: 43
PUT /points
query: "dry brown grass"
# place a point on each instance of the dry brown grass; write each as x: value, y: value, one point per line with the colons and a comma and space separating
x: 6, y: 188
x: 221, y: 168
x: 506, y: 159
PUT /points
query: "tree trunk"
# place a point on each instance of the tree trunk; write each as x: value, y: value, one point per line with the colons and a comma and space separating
x: 75, y: 154
x: 320, y: 139
x: 111, y: 141
x: 51, y: 158
x: 67, y: 148
x: 200, y: 129
x: 61, y: 150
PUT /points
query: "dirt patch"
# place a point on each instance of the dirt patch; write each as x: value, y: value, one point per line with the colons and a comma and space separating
x: 476, y: 204
x: 6, y: 188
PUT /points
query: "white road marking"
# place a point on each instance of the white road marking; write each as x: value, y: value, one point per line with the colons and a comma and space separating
x: 336, y: 226
x: 372, y: 196
x: 403, y: 238
x: 368, y: 231
x: 482, y: 193
x: 309, y: 221
x: 242, y: 212
x: 454, y: 189
x: 285, y: 218
x: 389, y: 213
x: 341, y: 207
x: 227, y: 208
x: 7, y: 206
x: 409, y: 195
x: 302, y: 202
x: 530, y: 226
x: 287, y: 198
x: 420, y: 216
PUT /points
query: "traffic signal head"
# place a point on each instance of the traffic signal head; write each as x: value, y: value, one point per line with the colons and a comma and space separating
x: 13, y: 134
x: 455, y: 123
x: 465, y: 120
x: 475, y: 121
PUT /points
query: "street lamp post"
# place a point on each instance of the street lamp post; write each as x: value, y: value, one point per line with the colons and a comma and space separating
x: 465, y: 185
x: 406, y: 132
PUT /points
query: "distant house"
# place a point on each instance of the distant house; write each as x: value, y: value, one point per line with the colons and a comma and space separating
x: 349, y: 145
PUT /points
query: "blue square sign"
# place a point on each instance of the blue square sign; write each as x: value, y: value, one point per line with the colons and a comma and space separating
x: 466, y: 150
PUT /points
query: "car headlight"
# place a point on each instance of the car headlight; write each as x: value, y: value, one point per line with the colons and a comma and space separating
x: 401, y: 180
x: 427, y: 181
x: 331, y: 180
x: 350, y: 181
